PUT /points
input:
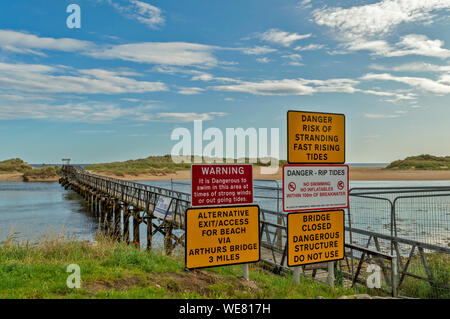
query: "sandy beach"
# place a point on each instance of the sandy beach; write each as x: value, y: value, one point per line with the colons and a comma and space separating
x: 356, y: 174
x: 18, y: 177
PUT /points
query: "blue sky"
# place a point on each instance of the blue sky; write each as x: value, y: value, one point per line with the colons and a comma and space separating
x: 115, y: 88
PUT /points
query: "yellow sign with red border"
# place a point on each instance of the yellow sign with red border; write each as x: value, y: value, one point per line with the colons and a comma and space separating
x: 315, y: 138
x: 217, y: 236
x: 314, y: 237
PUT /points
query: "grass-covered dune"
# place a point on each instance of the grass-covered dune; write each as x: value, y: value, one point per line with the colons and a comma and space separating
x: 152, y: 165
x: 114, y: 270
x: 14, y: 165
x: 43, y: 173
x: 422, y: 162
x: 29, y: 173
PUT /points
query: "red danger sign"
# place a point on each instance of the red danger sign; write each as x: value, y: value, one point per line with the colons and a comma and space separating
x: 221, y: 184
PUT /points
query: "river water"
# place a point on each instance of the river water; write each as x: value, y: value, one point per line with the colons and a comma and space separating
x: 29, y: 210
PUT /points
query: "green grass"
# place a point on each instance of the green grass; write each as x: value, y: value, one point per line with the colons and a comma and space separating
x: 422, y: 162
x: 154, y: 165
x: 439, y: 265
x: 115, y: 270
x: 42, y: 173
x: 14, y: 165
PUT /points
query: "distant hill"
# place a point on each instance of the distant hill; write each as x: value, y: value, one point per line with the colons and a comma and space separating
x: 14, y: 165
x: 425, y: 161
x: 153, y: 165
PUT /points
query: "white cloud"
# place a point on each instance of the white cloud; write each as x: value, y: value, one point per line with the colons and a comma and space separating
x: 141, y: 11
x: 395, y: 95
x: 380, y: 116
x: 269, y: 87
x: 163, y: 53
x: 440, y: 86
x: 282, y: 37
x: 309, y: 47
x: 190, y: 90
x: 379, y: 47
x: 294, y: 59
x: 95, y: 131
x: 258, y: 50
x: 42, y: 78
x: 188, y: 117
x: 419, y: 44
x: 413, y: 67
x: 305, y: 4
x: 72, y: 112
x: 26, y: 43
x: 365, y: 27
x: 263, y: 60
x: 291, y: 87
x: 378, y: 18
x: 196, y: 75
x: 412, y: 44
x: 311, y: 87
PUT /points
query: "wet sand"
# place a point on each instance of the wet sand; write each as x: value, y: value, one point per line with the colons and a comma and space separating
x: 18, y: 177
x: 380, y: 174
x: 356, y: 174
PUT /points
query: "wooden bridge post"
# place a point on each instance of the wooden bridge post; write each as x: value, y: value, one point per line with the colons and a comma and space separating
x: 98, y: 205
x: 99, y: 214
x: 149, y: 233
x: 106, y: 213
x: 136, y: 223
x: 109, y: 217
x: 116, y: 208
x: 168, y: 238
x: 126, y: 223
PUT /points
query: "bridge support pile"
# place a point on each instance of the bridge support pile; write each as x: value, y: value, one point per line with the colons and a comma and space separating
x: 119, y: 205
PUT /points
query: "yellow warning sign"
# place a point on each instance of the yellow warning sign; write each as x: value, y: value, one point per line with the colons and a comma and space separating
x: 218, y: 236
x: 315, y: 138
x: 315, y: 237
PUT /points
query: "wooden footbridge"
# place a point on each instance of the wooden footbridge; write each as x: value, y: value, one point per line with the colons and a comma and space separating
x: 123, y: 205
x: 119, y: 204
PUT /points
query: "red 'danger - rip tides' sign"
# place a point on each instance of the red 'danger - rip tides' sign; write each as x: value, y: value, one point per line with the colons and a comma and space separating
x: 221, y: 184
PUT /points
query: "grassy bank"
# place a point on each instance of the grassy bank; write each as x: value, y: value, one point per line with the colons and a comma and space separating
x: 14, y: 165
x: 43, y: 173
x: 439, y: 265
x: 152, y: 165
x: 29, y: 173
x: 422, y: 162
x: 114, y: 270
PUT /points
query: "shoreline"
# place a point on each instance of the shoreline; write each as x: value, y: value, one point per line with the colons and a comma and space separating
x: 18, y: 177
x: 356, y: 174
